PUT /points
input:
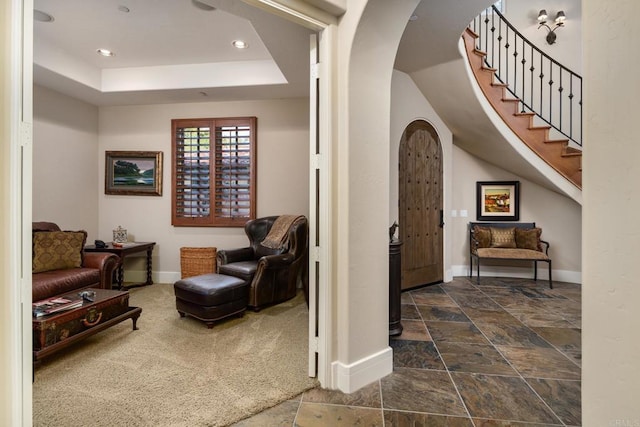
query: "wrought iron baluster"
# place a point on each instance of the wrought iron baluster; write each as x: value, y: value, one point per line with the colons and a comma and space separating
x: 570, y: 106
x: 550, y: 91
x: 493, y: 39
x: 531, y: 69
x: 492, y: 27
x: 486, y: 31
x: 560, y: 90
x: 524, y: 63
x: 506, y: 58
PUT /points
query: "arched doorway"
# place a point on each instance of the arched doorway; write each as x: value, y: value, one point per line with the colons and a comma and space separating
x: 421, y: 205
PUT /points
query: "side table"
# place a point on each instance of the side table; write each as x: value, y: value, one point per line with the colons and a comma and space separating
x: 123, y: 252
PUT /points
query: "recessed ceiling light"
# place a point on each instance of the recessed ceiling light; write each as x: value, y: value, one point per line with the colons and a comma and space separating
x: 39, y: 15
x: 105, y: 52
x: 413, y: 17
x: 239, y: 44
x: 202, y: 5
x: 123, y: 8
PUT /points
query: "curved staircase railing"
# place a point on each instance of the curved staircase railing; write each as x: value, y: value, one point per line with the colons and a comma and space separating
x: 543, y: 85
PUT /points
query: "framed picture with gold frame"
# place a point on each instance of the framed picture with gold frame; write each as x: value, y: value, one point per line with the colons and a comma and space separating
x: 498, y: 200
x: 133, y: 173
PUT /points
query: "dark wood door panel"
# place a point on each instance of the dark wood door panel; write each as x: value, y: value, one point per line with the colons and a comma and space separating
x: 420, y: 179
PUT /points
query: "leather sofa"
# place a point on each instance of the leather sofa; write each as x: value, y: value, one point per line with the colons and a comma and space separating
x: 95, y: 271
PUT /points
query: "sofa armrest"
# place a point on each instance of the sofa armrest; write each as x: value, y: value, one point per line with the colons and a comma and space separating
x: 103, y: 261
x: 227, y: 256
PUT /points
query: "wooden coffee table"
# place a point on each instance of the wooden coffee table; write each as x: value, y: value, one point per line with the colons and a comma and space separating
x: 53, y: 332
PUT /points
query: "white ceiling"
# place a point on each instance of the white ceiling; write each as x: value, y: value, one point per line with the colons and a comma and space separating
x: 174, y: 51
x: 168, y: 51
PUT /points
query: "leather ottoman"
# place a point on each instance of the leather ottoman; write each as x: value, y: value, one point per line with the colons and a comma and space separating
x: 211, y: 297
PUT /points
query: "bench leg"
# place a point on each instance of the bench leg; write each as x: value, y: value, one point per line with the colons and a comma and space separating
x: 550, y: 282
x: 535, y: 270
x: 478, y: 267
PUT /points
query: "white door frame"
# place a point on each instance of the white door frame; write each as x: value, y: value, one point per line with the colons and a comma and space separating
x: 17, y: 241
x: 320, y: 179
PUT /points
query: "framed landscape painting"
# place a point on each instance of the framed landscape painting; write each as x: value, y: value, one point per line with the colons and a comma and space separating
x: 498, y: 200
x: 133, y: 173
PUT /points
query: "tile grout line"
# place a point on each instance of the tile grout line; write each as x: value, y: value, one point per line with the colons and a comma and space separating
x: 501, y: 354
x: 529, y: 327
x: 446, y: 368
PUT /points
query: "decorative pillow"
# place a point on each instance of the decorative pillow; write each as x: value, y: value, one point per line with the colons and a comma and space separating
x: 482, y: 236
x: 503, y: 237
x: 57, y: 250
x: 528, y: 239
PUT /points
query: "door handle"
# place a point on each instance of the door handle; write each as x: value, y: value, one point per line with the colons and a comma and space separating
x: 441, y: 218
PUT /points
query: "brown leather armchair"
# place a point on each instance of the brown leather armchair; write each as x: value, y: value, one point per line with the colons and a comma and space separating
x: 272, y: 273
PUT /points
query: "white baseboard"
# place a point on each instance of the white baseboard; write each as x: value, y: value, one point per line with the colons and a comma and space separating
x: 156, y: 276
x: 349, y: 378
x: 525, y: 273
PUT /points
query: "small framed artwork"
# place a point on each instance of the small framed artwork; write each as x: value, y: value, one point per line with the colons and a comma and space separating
x: 498, y: 200
x: 133, y: 173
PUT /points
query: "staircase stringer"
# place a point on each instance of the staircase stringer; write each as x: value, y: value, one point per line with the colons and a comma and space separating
x: 557, y: 153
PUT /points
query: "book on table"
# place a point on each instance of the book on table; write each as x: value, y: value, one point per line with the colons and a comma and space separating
x: 123, y: 244
x: 55, y: 305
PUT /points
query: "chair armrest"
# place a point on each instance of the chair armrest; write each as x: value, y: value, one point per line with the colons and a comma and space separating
x: 473, y: 244
x: 227, y: 256
x: 277, y: 261
x: 546, y: 250
x: 105, y: 262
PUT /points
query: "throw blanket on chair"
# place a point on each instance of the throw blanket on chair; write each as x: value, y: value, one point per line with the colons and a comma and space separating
x: 279, y: 232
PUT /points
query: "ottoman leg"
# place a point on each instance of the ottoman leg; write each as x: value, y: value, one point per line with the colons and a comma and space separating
x: 181, y: 314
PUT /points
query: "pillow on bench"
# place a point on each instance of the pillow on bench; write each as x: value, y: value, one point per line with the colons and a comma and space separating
x: 482, y: 236
x: 512, y: 237
x: 528, y: 238
x: 503, y: 237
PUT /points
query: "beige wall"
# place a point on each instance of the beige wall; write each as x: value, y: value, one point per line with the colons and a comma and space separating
x: 611, y: 293
x: 568, y: 47
x: 557, y: 215
x: 408, y: 104
x: 283, y: 169
x: 65, y: 161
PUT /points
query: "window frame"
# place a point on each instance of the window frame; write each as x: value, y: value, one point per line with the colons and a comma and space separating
x: 212, y: 219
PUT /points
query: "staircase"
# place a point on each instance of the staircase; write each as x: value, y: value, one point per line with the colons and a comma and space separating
x: 556, y: 152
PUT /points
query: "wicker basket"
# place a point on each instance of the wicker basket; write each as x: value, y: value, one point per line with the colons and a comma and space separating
x: 197, y: 261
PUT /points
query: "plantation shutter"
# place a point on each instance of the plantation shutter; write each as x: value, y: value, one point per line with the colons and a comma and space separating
x: 214, y: 171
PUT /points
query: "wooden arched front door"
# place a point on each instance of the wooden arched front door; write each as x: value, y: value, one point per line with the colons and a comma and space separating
x: 420, y: 205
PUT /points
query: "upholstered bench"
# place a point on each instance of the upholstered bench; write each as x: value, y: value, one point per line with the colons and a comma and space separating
x: 515, y: 241
x: 211, y: 297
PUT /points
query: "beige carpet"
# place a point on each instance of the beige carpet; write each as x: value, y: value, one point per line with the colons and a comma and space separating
x: 174, y: 371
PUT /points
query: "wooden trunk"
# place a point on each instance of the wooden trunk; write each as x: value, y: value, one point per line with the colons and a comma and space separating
x: 57, y: 327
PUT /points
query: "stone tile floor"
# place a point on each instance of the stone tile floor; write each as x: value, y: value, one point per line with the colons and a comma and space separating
x: 506, y: 352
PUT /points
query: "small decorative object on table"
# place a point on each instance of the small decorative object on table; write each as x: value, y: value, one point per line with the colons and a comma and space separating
x: 392, y: 231
x: 120, y: 235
